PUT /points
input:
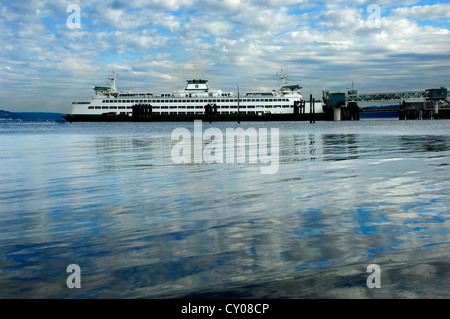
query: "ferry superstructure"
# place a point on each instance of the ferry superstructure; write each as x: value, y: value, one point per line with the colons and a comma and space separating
x: 196, y: 101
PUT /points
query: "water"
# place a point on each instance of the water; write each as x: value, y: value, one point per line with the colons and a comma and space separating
x: 109, y: 198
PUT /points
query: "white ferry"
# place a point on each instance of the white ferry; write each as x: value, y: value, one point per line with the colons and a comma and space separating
x: 196, y: 101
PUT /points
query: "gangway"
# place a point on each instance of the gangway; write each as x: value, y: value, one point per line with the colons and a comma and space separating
x: 427, y: 95
x: 394, y: 96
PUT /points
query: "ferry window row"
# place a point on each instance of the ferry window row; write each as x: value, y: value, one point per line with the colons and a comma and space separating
x: 194, y: 101
x: 199, y: 113
x: 109, y: 107
x: 189, y: 107
x: 136, y: 95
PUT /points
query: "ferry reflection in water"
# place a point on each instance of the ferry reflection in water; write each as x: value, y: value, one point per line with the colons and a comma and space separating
x: 110, y: 199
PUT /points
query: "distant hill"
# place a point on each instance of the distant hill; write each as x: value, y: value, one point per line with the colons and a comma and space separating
x: 5, y: 115
x: 30, y: 116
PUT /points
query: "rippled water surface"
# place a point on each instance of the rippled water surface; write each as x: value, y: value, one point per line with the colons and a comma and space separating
x: 109, y: 198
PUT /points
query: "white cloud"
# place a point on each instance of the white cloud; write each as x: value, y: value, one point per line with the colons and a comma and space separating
x: 427, y: 12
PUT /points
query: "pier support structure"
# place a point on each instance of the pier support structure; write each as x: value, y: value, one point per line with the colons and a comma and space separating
x: 436, y: 96
x: 336, y: 113
x: 335, y: 102
x: 436, y: 107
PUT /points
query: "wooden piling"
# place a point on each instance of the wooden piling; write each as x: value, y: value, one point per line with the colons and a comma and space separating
x: 311, y: 109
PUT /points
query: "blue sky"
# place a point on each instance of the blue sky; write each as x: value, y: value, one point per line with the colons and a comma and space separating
x: 158, y: 45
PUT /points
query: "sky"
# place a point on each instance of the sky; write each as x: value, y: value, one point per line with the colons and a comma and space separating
x: 49, y: 57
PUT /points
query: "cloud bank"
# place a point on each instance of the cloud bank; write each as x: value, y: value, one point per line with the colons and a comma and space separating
x: 157, y: 45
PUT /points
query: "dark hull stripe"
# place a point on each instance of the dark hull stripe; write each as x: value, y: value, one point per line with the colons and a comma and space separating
x: 192, y: 117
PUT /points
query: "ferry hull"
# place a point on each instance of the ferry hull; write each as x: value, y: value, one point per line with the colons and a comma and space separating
x: 188, y: 118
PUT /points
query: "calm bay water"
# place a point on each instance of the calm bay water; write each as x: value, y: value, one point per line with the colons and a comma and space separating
x: 109, y: 198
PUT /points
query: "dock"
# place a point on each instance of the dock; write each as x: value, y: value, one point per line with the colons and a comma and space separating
x: 412, y: 105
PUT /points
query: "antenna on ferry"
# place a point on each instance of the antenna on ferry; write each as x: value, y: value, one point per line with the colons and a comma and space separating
x: 112, y: 78
x: 283, y: 77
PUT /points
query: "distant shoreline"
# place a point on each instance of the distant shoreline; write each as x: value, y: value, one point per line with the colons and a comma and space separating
x: 30, y: 116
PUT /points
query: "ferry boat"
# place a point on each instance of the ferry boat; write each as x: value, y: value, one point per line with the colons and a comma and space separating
x: 196, y: 101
